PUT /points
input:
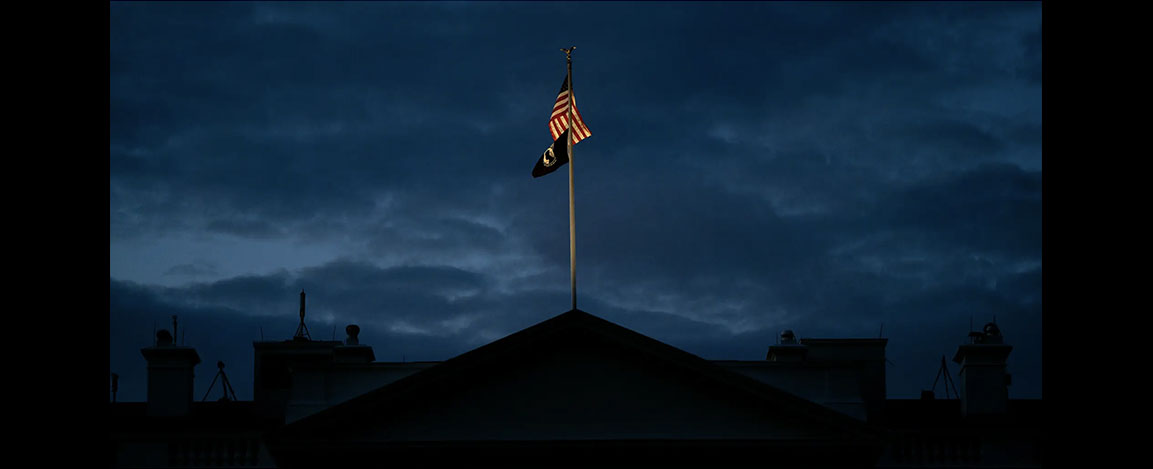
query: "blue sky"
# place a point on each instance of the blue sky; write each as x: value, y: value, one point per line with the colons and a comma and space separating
x: 821, y: 167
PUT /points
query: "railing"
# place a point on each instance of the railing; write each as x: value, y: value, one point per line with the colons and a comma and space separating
x: 214, y: 452
x: 935, y: 451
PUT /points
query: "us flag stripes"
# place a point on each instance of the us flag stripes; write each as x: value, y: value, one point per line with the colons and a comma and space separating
x: 559, y: 120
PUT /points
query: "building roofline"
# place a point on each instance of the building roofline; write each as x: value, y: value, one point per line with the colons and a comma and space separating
x: 384, y: 397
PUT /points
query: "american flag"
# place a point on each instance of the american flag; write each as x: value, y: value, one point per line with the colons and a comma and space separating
x: 559, y: 120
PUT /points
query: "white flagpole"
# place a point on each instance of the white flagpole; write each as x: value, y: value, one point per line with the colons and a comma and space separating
x: 571, y: 204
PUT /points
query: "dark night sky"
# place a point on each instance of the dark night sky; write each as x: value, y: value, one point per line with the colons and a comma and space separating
x: 754, y: 167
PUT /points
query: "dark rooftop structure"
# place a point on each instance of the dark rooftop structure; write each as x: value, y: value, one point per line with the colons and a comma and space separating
x: 577, y: 391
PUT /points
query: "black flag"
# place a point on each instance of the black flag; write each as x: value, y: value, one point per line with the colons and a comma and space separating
x: 553, y: 158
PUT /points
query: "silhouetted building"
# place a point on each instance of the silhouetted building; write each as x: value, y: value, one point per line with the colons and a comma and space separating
x: 577, y: 390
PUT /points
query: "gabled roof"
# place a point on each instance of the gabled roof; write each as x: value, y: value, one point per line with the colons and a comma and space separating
x: 521, y: 345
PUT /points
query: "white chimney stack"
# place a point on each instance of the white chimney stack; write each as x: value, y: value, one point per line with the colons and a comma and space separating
x: 984, y: 380
x: 170, y: 375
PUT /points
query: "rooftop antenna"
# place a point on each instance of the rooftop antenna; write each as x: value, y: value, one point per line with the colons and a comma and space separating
x: 944, y: 370
x: 174, y: 329
x: 302, y: 330
x: 153, y: 333
x: 261, y: 333
x: 881, y: 333
x: 115, y: 385
x: 334, y: 332
x: 225, y: 386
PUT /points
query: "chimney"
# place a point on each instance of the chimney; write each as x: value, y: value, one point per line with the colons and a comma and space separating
x: 984, y: 381
x: 866, y: 356
x: 275, y: 361
x: 170, y: 375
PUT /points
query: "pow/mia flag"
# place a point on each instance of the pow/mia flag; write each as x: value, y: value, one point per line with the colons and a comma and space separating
x: 553, y: 158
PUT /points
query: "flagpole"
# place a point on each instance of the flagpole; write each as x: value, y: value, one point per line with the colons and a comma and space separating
x: 571, y: 204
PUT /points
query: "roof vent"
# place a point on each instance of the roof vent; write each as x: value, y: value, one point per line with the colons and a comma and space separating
x: 163, y: 337
x: 353, y: 332
x: 992, y: 334
x: 788, y: 338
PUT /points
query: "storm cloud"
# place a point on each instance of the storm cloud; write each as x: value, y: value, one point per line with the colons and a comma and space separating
x: 821, y: 167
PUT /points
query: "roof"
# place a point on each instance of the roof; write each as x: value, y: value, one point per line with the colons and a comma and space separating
x: 523, y: 345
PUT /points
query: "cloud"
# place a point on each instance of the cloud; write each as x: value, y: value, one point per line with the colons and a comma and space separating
x: 754, y: 166
x: 412, y: 313
x: 192, y: 270
x: 234, y: 126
